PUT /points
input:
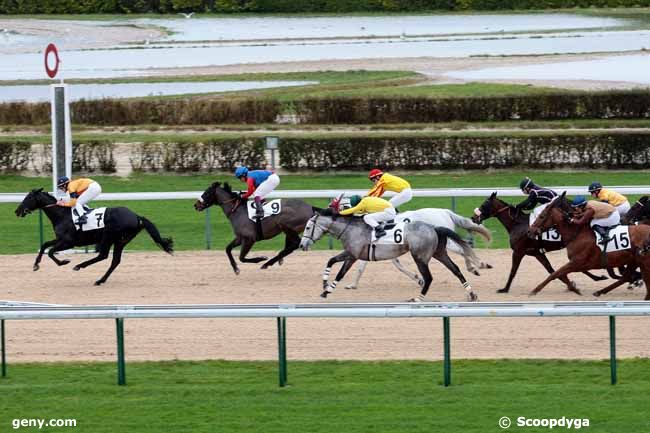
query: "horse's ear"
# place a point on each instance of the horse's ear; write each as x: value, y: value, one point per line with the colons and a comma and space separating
x: 494, y: 195
x: 644, y: 199
x: 39, y: 190
x: 215, y: 185
x: 563, y: 196
x: 315, y: 209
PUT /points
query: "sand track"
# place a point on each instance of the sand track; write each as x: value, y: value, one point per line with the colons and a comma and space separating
x: 205, y: 277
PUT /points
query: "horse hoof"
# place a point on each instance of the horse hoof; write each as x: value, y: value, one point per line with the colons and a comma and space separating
x: 533, y: 293
x: 414, y: 300
x: 280, y: 262
x: 36, y: 268
x: 504, y: 290
x: 237, y: 271
x: 597, y: 294
x: 325, y: 285
x: 76, y: 268
x: 421, y: 282
x: 351, y: 287
x: 64, y: 262
x: 472, y: 297
x: 98, y: 282
x: 264, y: 266
x: 487, y: 266
x: 475, y: 272
x: 324, y: 294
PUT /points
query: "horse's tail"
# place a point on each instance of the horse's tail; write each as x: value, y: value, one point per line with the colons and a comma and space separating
x: 444, y: 233
x: 470, y: 225
x: 167, y: 244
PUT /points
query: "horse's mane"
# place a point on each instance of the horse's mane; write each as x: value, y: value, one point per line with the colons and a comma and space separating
x: 226, y: 187
x: 40, y: 190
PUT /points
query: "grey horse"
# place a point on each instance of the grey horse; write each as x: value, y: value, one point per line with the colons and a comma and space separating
x: 290, y: 221
x: 422, y: 240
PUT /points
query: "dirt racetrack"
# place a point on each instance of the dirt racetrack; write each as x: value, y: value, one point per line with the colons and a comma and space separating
x: 206, y: 277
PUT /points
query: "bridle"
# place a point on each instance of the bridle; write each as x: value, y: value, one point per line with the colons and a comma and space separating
x: 237, y: 201
x: 313, y: 229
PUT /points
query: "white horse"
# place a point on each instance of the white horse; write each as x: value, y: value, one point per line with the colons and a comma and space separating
x: 437, y: 218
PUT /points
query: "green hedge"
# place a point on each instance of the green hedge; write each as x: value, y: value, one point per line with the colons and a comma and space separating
x: 211, y: 155
x: 136, y: 112
x: 274, y: 6
x: 633, y: 104
x: 624, y: 150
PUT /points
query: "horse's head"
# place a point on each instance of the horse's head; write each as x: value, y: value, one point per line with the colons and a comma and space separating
x: 215, y: 194
x: 556, y: 211
x: 36, y: 199
x: 316, y: 227
x: 639, y: 211
x: 490, y: 207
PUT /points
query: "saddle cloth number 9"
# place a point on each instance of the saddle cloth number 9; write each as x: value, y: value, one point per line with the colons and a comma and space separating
x: 273, y: 207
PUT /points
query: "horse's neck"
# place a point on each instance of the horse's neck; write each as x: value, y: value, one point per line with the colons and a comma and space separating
x: 504, y: 217
x: 55, y: 213
x: 228, y: 204
x: 571, y: 232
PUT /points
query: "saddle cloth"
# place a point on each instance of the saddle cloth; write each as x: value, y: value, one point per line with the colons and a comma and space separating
x: 550, y: 235
x: 273, y: 207
x: 394, y: 235
x: 619, y: 239
x: 95, y: 219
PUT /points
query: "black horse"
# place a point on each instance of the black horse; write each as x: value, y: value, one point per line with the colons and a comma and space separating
x: 639, y: 212
x: 516, y: 223
x: 121, y: 225
x: 291, y: 221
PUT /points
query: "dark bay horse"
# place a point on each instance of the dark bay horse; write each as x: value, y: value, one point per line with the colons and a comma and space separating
x: 290, y: 221
x: 516, y: 223
x: 584, y: 254
x: 121, y: 225
x: 639, y: 212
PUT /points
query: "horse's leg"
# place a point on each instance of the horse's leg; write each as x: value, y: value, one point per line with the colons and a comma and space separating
x: 564, y: 270
x: 104, y: 248
x: 235, y: 243
x: 626, y: 277
x: 59, y: 246
x: 547, y: 265
x: 595, y: 277
x: 360, y: 269
x: 328, y: 268
x: 117, y: 258
x: 444, y: 258
x: 455, y: 248
x: 246, y: 246
x: 423, y: 267
x: 415, y: 277
x: 41, y: 251
x: 349, y: 261
x: 517, y: 257
x: 291, y: 243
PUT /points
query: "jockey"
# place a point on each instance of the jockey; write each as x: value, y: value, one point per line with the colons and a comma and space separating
x: 387, y: 182
x: 81, y: 191
x: 619, y: 201
x: 260, y: 184
x: 601, y: 216
x: 538, y: 197
x: 371, y: 207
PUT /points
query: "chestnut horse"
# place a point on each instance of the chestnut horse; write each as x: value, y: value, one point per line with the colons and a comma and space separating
x: 584, y: 254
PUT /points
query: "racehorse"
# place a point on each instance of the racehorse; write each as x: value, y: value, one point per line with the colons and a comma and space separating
x: 516, y: 223
x: 437, y: 218
x: 639, y: 213
x: 584, y: 254
x: 290, y: 221
x: 422, y: 240
x: 121, y: 225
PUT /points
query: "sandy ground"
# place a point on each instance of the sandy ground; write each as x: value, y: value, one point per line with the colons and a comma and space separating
x: 205, y: 277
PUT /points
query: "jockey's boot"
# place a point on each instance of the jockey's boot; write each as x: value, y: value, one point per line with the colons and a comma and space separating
x: 379, y: 231
x: 603, y: 232
x: 82, y: 219
x: 259, y: 208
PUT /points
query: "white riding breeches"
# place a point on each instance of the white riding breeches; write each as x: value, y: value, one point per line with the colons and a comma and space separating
x: 373, y: 219
x: 623, y: 208
x: 536, y: 212
x: 401, y: 197
x: 94, y: 189
x: 266, y: 187
x: 613, y: 219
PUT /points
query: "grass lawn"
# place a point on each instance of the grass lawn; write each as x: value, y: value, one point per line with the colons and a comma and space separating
x: 406, y: 396
x: 178, y: 218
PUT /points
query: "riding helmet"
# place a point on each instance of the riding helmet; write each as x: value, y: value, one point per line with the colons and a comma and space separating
x: 374, y: 173
x: 579, y: 200
x: 595, y: 186
x: 63, y: 180
x: 526, y: 183
x: 355, y: 200
x: 241, y: 171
